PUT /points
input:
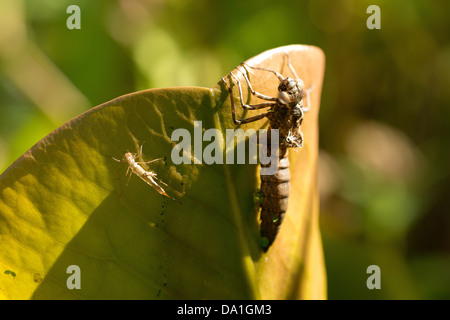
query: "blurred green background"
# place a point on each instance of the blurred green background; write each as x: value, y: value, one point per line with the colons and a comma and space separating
x: 384, y: 118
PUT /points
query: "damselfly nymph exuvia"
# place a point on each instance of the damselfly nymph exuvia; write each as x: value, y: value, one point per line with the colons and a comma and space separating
x: 147, y: 176
x: 285, y: 114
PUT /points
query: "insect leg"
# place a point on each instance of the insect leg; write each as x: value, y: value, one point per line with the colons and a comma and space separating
x: 252, y: 119
x: 250, y: 107
x: 255, y: 93
x: 233, y: 112
x: 308, y: 99
x: 149, y: 161
x: 279, y: 75
x: 139, y: 155
x: 291, y: 67
x: 129, y: 175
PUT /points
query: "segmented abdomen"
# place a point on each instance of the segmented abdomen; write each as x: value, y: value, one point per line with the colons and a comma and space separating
x: 275, y: 193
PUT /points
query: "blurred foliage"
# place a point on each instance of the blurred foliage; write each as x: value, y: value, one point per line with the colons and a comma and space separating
x: 384, y: 120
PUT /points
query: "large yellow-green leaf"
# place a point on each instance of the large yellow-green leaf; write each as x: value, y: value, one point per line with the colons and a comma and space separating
x: 67, y: 202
